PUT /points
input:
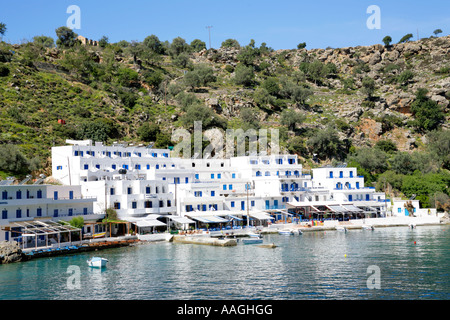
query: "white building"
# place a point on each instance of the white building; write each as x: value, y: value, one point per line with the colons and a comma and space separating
x: 26, y: 203
x: 127, y: 177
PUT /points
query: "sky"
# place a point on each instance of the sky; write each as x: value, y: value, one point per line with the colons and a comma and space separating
x: 281, y: 24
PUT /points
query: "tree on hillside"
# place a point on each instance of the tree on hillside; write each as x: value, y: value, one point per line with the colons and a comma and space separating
x: 178, y: 46
x: 387, y: 41
x: 326, y: 144
x: 198, y: 45
x: 44, y: 41
x: 291, y: 118
x: 244, y: 75
x: 301, y: 45
x: 2, y: 28
x: 13, y: 160
x: 406, y: 38
x: 368, y: 87
x: 437, y: 31
x: 201, y: 76
x: 103, y: 42
x: 231, y: 43
x: 66, y: 37
x: 153, y: 43
x: 428, y: 115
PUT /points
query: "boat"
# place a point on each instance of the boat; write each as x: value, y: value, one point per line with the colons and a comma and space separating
x: 252, y: 240
x: 341, y: 228
x: 297, y: 231
x: 97, y: 262
x: 254, y: 235
x: 412, y: 226
x: 285, y: 232
x: 366, y: 227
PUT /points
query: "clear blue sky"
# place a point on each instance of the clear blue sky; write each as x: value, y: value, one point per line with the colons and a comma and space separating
x: 281, y: 24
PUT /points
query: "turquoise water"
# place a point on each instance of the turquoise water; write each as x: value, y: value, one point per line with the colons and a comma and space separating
x: 413, y: 264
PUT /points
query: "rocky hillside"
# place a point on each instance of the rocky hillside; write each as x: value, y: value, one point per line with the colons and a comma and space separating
x: 113, y: 92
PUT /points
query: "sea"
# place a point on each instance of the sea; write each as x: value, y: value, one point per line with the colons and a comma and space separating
x: 395, y: 263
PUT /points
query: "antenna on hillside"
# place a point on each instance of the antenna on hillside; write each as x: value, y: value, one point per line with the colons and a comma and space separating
x: 209, y: 31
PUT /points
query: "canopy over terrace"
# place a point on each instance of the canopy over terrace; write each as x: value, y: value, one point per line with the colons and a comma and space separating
x: 150, y: 221
x: 41, y: 230
x: 314, y: 208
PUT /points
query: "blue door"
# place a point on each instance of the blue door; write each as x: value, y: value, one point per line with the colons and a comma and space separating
x: 242, y: 205
x: 267, y: 204
x: 367, y: 197
x: 350, y: 197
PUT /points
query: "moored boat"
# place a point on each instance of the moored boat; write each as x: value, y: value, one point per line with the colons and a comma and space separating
x: 252, y: 240
x: 97, y: 262
x: 285, y: 232
x: 367, y: 227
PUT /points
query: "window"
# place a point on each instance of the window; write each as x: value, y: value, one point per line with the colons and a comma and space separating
x: 351, y: 174
x: 230, y: 187
x: 39, y: 194
x: 97, y: 166
x: 197, y: 193
x: 242, y: 205
x: 85, y: 211
x: 267, y: 174
x: 148, y: 204
x: 134, y: 205
x: 137, y: 167
x: 331, y: 174
x: 252, y: 203
x: 279, y: 161
x: 176, y: 180
x: 186, y: 180
x: 86, y: 167
x: 233, y: 175
x: 4, y: 214
x: 129, y: 190
x: 161, y: 204
x: 70, y: 194
x: 341, y: 174
x: 213, y: 193
x: 125, y: 166
x: 55, y: 213
x: 189, y: 208
x: 148, y: 167
x: 224, y: 187
x: 169, y: 203
x: 232, y: 204
x: 4, y: 195
x: 219, y: 176
x: 399, y: 210
x: 357, y: 185
x: 117, y: 205
x: 291, y: 161
x: 39, y: 212
x: 258, y: 173
x: 147, y: 190
x: 114, y: 167
x: 55, y: 195
x: 196, y: 176
x: 111, y: 191
x: 253, y: 161
x: 212, y: 175
x: 70, y: 211
x: 19, y: 213
x: 19, y: 194
x: 59, y: 168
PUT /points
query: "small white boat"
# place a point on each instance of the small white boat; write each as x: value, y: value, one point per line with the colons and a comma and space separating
x: 254, y: 235
x: 341, y: 228
x: 297, y: 231
x: 285, y: 232
x: 367, y: 227
x: 97, y: 262
x: 252, y: 241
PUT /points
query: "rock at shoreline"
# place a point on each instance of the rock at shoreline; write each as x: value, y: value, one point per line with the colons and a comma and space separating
x: 10, y: 251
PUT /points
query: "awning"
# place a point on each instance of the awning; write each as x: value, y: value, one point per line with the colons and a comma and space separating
x: 209, y: 219
x: 260, y: 215
x: 235, y: 218
x: 338, y: 209
x: 351, y: 208
x: 181, y: 219
x: 149, y: 223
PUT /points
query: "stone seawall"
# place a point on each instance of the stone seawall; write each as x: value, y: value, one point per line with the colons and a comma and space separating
x: 10, y: 251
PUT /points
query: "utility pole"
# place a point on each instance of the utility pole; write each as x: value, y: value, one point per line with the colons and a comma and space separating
x: 209, y: 31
